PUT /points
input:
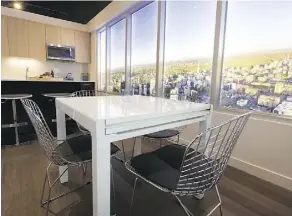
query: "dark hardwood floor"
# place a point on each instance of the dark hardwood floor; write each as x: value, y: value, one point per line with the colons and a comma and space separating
x: 23, y: 170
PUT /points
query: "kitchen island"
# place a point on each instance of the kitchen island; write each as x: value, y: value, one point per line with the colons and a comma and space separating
x: 47, y: 105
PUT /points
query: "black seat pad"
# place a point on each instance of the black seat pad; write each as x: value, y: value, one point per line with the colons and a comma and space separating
x: 78, y: 149
x: 163, y: 165
x: 163, y: 134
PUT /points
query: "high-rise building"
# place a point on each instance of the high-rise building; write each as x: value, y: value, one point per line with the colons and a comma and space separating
x: 279, y: 88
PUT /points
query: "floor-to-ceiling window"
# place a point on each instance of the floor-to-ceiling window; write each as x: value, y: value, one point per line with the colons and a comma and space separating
x: 117, y: 57
x: 143, y: 53
x: 189, y: 39
x: 257, y: 72
x: 102, y: 60
x: 173, y: 43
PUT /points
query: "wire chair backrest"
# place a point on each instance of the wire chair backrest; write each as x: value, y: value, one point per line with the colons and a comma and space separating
x: 86, y: 93
x: 207, y: 155
x: 45, y: 137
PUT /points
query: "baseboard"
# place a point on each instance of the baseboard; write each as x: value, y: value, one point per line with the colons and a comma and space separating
x: 260, y: 172
x: 265, y: 174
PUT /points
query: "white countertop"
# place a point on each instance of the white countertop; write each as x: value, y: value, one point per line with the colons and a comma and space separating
x: 116, y: 109
x: 44, y: 80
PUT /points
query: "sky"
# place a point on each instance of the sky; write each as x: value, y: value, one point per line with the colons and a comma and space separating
x: 252, y: 26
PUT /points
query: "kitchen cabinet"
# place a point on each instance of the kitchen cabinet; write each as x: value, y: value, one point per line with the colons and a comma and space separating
x: 67, y: 37
x: 17, y: 36
x: 28, y: 39
x: 4, y: 37
x: 36, y: 40
x: 53, y: 35
x: 82, y: 45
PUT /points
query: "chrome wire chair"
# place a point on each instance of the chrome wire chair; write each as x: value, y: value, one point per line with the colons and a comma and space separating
x: 163, y: 136
x: 72, y: 152
x: 90, y: 93
x: 86, y: 93
x: 190, y: 170
x: 166, y: 135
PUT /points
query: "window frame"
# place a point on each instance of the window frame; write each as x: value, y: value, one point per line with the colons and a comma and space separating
x: 218, y: 53
x: 108, y: 49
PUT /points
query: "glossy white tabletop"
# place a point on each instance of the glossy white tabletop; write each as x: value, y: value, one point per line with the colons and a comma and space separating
x: 127, y: 108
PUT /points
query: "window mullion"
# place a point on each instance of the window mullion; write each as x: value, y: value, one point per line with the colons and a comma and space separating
x: 128, y: 54
x: 218, y: 53
x: 107, y: 58
x: 160, y: 48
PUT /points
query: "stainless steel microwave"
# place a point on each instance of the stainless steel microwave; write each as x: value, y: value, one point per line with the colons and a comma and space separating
x: 58, y: 52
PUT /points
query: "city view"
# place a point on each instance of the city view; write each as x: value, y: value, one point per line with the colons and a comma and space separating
x: 256, y: 82
x: 257, y: 64
x: 260, y: 82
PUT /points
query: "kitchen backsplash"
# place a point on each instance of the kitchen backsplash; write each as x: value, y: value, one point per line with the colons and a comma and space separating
x: 14, y: 68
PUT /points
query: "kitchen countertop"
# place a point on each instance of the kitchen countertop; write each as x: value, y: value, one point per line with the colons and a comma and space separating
x: 44, y: 80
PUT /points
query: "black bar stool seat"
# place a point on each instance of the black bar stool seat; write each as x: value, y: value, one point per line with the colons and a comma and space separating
x: 53, y: 96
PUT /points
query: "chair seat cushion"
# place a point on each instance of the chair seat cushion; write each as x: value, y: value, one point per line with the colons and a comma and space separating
x: 163, y: 134
x: 78, y: 149
x: 162, y: 166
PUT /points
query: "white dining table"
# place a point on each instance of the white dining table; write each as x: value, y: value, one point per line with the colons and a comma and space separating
x: 114, y: 118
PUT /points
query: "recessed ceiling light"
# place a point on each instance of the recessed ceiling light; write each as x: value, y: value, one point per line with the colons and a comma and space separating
x: 17, y: 5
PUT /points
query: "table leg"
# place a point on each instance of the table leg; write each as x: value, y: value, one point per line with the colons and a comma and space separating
x: 101, y: 197
x: 15, y: 122
x: 61, y: 135
x: 204, y: 125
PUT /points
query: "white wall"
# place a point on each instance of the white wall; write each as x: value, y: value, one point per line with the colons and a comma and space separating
x: 93, y: 65
x: 14, y: 68
x: 264, y: 148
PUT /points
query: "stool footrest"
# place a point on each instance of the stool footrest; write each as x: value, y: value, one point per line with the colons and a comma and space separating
x: 14, y: 125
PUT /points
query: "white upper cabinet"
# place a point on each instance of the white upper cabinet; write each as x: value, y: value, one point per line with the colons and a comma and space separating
x: 36, y: 40
x: 82, y: 44
x: 53, y: 35
x: 67, y: 37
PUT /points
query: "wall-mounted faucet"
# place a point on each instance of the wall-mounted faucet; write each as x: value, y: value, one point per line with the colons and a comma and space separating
x: 26, y: 73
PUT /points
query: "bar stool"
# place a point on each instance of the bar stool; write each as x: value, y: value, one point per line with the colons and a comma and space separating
x: 53, y: 96
x: 13, y: 98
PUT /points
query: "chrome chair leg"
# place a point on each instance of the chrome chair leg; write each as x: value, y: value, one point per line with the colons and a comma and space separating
x: 133, y: 148
x: 135, y: 183
x: 48, y: 204
x: 43, y: 190
x: 49, y: 199
x: 124, y: 151
x: 187, y: 211
x: 84, y: 167
x: 113, y: 182
x: 220, y: 201
x: 218, y: 205
x: 113, y: 188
